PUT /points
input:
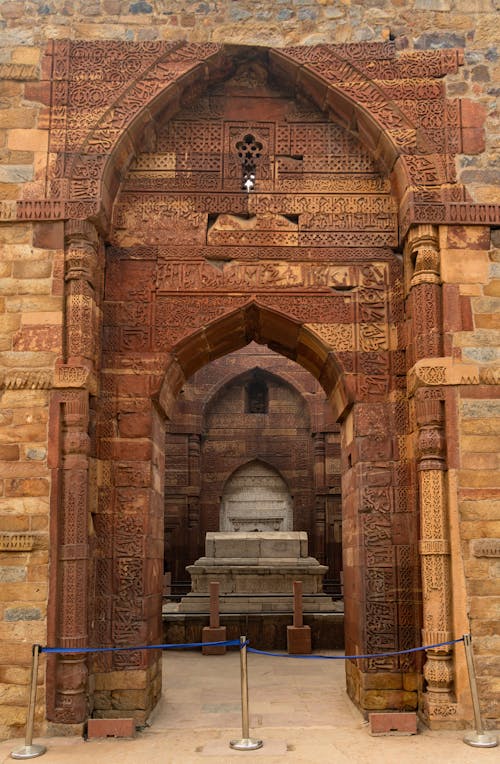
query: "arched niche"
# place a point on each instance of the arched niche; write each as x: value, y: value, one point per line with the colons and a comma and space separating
x: 256, y: 498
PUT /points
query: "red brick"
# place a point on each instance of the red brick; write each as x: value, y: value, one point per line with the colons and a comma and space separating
x: 110, y: 728
x: 393, y: 723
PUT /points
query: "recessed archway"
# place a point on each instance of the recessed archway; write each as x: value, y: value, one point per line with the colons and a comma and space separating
x: 256, y: 498
x: 195, y: 269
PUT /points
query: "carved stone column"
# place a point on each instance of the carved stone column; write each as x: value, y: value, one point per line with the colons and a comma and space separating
x: 320, y: 496
x: 425, y: 293
x: 435, y: 559
x: 194, y: 459
x: 76, y: 376
x: 434, y: 545
x: 72, y: 563
x: 81, y: 275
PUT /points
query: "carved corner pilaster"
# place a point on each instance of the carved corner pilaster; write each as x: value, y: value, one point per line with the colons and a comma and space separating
x: 422, y: 256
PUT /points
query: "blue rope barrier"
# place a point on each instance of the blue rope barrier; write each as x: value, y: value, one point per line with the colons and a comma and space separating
x: 183, y: 646
x: 354, y: 657
x: 237, y: 643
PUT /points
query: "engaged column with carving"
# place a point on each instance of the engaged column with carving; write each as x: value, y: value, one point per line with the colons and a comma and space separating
x: 82, y: 275
x: 76, y: 374
x: 426, y: 332
x: 72, y: 564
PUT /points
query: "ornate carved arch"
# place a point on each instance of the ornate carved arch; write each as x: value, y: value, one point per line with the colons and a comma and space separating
x: 260, y: 323
x: 105, y: 97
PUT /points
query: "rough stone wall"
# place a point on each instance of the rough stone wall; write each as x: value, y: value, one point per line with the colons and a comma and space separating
x: 31, y: 259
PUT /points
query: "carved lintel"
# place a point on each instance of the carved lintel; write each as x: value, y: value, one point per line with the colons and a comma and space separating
x: 485, y: 547
x: 489, y: 375
x: 26, y: 379
x: 80, y: 377
x: 17, y: 542
x: 441, y: 371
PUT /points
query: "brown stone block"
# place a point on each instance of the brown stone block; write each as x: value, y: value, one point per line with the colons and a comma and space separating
x: 27, y: 487
x: 401, y: 723
x: 472, y: 113
x: 132, y: 450
x: 381, y: 699
x: 110, y: 728
x: 298, y: 640
x: 132, y: 385
x: 213, y: 634
x: 15, y: 674
x: 383, y: 681
x: 48, y: 235
x: 412, y: 682
x: 489, y: 322
x: 484, y: 478
x: 28, y: 140
x: 121, y: 680
x: 465, y: 237
x: 493, y: 288
x: 128, y: 700
x: 17, y: 469
x: 134, y: 425
x: 38, y: 91
x: 9, y: 452
x: 481, y: 426
x: 473, y: 140
x: 23, y: 592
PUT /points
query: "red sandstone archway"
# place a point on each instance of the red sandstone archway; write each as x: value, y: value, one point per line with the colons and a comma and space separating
x: 362, y: 378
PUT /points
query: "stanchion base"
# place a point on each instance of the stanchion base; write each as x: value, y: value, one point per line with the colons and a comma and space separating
x: 481, y: 739
x: 28, y: 751
x: 246, y: 744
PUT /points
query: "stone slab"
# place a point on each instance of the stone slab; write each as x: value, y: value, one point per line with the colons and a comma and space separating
x: 290, y: 545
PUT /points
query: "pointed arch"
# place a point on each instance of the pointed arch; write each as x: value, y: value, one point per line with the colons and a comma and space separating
x: 393, y: 102
x: 228, y: 379
x: 260, y: 323
x: 256, y: 497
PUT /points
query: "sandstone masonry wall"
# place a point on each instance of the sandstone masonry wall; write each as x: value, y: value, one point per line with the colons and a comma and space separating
x: 31, y: 285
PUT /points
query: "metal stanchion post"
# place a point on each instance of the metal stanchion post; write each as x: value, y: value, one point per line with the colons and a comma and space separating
x: 28, y: 750
x: 478, y: 738
x: 245, y: 743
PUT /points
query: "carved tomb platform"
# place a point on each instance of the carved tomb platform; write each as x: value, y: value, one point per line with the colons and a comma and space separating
x: 254, y: 565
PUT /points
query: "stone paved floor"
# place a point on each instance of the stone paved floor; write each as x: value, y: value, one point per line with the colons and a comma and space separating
x: 299, y: 708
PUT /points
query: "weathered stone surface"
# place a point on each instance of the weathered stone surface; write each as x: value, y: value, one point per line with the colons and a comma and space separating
x: 365, y: 355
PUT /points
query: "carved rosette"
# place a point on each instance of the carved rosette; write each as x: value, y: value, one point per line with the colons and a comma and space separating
x: 73, y: 553
x: 434, y: 547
